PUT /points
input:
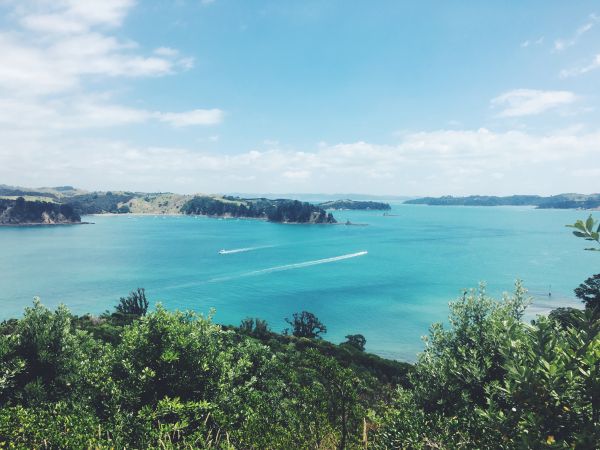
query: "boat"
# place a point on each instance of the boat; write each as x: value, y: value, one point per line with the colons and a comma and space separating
x: 222, y: 251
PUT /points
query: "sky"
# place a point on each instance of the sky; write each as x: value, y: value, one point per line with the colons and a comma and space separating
x: 316, y: 96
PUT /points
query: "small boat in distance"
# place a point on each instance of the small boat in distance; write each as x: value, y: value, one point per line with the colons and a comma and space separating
x: 222, y: 252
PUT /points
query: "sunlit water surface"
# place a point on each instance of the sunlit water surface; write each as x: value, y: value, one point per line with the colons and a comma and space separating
x: 388, y: 281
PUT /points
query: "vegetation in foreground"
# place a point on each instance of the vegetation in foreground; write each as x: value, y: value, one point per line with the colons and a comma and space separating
x: 160, y: 379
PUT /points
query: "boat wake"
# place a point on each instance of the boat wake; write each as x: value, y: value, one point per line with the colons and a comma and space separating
x: 238, y: 250
x: 291, y: 266
x: 242, y: 250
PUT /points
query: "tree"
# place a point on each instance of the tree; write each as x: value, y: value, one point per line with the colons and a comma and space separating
x: 134, y: 304
x: 357, y: 341
x: 589, y: 292
x: 254, y: 327
x: 566, y: 317
x: 306, y: 324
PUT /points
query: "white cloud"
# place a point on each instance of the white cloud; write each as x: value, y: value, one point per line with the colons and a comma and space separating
x: 166, y: 51
x: 77, y: 113
x: 53, y: 51
x: 527, y: 102
x: 575, y: 71
x: 421, y: 163
x: 562, y: 44
x: 72, y: 16
x: 56, y: 65
x: 195, y: 117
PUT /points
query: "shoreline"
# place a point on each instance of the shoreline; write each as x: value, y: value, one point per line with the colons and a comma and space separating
x: 260, y: 219
x: 36, y: 224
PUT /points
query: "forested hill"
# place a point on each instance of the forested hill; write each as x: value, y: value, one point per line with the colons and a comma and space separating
x: 355, y: 204
x: 280, y: 210
x: 561, y: 201
x: 23, y: 212
x: 123, y: 202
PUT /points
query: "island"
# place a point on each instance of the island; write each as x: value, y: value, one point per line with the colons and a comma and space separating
x: 279, y: 210
x: 561, y: 201
x: 165, y: 203
x: 355, y: 205
x: 19, y: 211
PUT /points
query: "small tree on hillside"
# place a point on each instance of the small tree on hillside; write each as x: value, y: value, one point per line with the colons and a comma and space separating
x: 134, y: 304
x: 255, y: 327
x: 306, y: 324
x: 358, y: 341
x: 589, y: 292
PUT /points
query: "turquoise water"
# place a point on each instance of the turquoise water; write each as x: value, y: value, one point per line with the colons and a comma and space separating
x: 417, y: 261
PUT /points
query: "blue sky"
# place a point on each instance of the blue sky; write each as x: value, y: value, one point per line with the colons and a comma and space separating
x: 386, y: 97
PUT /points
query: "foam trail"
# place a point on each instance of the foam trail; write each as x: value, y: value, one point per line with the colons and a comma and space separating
x: 241, y: 250
x: 237, y: 250
x: 292, y: 266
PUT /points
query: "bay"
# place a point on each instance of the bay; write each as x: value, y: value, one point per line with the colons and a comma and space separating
x: 388, y: 280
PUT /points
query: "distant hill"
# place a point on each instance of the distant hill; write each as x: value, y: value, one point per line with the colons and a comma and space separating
x: 355, y: 204
x: 23, y: 212
x: 42, y: 192
x: 561, y: 201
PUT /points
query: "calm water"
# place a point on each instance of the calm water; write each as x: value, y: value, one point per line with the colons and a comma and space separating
x: 417, y: 261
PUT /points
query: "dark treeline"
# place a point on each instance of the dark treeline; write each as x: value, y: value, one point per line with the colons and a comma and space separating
x: 355, y: 204
x: 279, y: 210
x: 21, y: 211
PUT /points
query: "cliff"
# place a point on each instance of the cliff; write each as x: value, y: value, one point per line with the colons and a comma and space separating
x: 23, y: 212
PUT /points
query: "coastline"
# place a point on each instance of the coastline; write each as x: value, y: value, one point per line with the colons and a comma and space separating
x: 223, y: 217
x: 36, y: 224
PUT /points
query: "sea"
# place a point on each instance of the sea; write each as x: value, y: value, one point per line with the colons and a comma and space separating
x: 387, y: 277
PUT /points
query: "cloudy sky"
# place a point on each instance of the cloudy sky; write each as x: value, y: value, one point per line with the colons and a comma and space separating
x: 313, y: 96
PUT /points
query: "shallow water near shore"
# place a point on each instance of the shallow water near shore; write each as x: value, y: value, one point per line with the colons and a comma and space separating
x: 388, y: 281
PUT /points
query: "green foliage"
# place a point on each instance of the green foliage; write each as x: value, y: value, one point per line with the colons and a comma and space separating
x: 357, y: 341
x: 135, y: 304
x: 255, y: 327
x: 171, y: 380
x: 306, y: 325
x: 492, y: 381
x: 566, y: 317
x: 589, y: 292
x: 588, y: 231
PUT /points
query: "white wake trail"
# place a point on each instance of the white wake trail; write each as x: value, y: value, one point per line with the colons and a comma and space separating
x: 291, y: 266
x: 241, y: 250
x: 237, y: 250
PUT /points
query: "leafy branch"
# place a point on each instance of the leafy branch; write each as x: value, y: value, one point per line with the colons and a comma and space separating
x: 586, y: 231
